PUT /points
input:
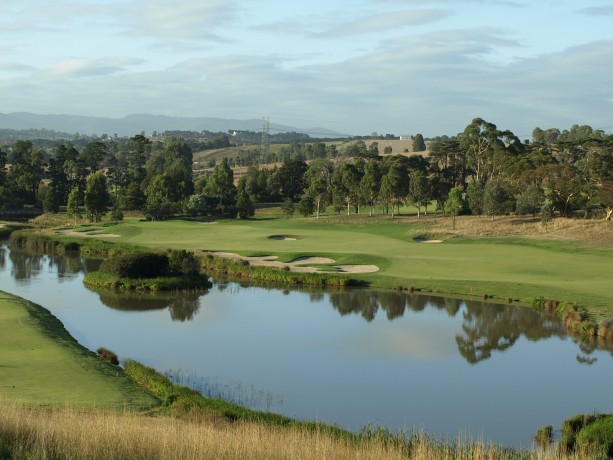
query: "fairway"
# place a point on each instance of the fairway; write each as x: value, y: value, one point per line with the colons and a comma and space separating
x: 517, y: 268
x: 41, y: 364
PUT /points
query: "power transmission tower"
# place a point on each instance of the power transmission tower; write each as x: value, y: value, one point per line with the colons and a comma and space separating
x: 264, y: 143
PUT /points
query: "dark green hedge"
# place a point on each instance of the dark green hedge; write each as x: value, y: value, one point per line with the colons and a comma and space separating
x: 136, y: 265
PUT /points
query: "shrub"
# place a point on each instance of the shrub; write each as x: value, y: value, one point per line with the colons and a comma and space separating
x: 597, y: 436
x: 137, y: 265
x: 182, y: 262
x: 107, y: 355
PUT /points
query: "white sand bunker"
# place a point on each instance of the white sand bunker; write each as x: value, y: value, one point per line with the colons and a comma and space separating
x: 281, y: 238
x: 91, y: 234
x: 424, y: 240
x: 300, y: 264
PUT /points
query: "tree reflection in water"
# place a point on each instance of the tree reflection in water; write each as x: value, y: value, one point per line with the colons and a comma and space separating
x: 486, y: 327
x: 182, y: 306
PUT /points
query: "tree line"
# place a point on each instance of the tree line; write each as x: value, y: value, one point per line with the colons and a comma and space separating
x: 483, y: 170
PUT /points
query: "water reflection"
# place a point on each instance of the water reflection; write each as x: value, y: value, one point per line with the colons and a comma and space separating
x: 182, y: 307
x: 485, y: 327
x: 28, y: 263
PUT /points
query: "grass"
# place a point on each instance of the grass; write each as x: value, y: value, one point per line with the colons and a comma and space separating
x: 41, y: 364
x: 507, y: 266
x: 66, y: 433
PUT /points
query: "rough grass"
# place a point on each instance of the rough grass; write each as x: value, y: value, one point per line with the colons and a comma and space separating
x: 67, y: 433
x: 41, y: 364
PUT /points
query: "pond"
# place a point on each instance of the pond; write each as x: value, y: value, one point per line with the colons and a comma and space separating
x: 452, y: 367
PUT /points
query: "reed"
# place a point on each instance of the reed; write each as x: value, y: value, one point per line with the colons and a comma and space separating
x: 69, y: 433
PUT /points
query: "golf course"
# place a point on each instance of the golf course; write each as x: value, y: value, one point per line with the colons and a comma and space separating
x: 44, y: 367
x: 413, y: 253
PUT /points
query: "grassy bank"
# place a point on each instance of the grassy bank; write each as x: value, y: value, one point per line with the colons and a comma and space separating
x: 41, y: 364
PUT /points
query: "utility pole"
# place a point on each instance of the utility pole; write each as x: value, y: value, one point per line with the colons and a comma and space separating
x: 264, y: 143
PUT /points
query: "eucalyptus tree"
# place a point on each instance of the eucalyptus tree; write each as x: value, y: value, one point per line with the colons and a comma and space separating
x: 419, y: 191
x: 346, y: 185
x: 318, y: 178
x: 480, y: 140
x: 394, y: 187
x: 371, y: 183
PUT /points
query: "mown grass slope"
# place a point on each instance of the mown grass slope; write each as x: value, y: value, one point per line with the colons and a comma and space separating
x: 41, y: 364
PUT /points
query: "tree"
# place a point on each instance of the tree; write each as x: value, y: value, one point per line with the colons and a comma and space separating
x: 606, y: 192
x: 494, y: 198
x: 73, y: 208
x: 419, y: 145
x: 474, y: 195
x: 319, y: 181
x: 27, y: 170
x: 51, y: 202
x: 221, y: 185
x: 97, y: 197
x: 197, y: 205
x: 94, y: 155
x: 394, y: 187
x: 346, y: 185
x: 159, y: 205
x: 244, y: 206
x: 530, y: 200
x: 480, y: 140
x: 288, y: 207
x: 419, y: 190
x: 289, y: 178
x: 454, y: 204
x: 371, y: 183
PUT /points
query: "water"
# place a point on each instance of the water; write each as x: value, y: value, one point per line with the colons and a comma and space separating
x: 452, y: 367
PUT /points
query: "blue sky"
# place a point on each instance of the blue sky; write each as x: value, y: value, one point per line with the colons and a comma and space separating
x: 390, y: 66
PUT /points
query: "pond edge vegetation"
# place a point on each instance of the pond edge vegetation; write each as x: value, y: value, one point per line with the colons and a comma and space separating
x: 577, y: 320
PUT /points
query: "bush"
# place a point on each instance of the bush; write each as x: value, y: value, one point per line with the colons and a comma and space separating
x: 107, y: 355
x: 597, y: 436
x: 138, y: 265
x: 182, y: 262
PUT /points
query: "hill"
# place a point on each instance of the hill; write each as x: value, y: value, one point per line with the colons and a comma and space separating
x: 136, y: 123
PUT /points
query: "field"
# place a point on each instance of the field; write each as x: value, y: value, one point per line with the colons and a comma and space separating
x: 558, y: 263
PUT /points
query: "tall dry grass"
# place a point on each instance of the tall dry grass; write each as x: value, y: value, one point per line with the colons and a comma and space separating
x: 587, y: 230
x: 68, y: 433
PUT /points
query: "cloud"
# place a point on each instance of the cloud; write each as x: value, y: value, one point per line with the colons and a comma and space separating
x: 74, y: 68
x: 384, y: 21
x: 597, y: 10
x: 179, y: 20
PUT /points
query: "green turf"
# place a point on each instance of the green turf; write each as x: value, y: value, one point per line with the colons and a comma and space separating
x: 505, y: 268
x: 41, y: 364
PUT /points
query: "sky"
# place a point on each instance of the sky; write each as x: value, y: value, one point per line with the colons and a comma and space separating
x: 356, y: 67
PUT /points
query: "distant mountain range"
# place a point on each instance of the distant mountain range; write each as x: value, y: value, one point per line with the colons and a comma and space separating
x: 137, y: 123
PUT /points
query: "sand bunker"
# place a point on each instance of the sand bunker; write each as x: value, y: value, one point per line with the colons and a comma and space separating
x: 423, y: 240
x: 87, y: 234
x: 281, y: 238
x: 300, y: 264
